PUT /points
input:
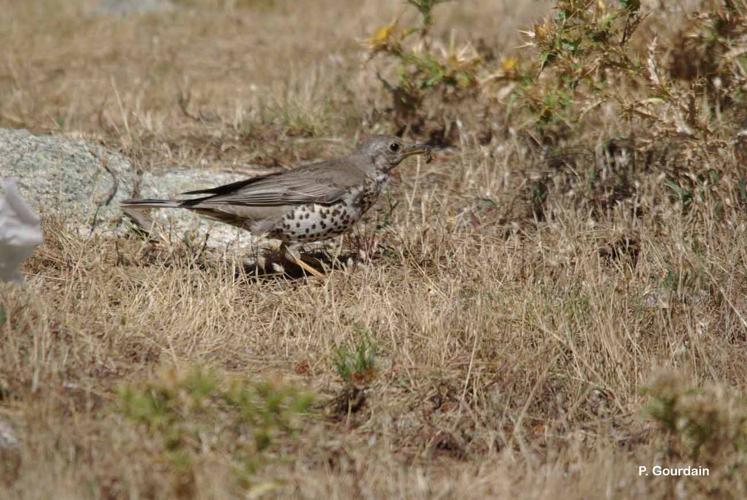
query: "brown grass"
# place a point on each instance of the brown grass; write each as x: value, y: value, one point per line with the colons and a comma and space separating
x: 511, y: 345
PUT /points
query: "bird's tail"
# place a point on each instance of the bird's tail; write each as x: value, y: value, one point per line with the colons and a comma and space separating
x: 151, y: 203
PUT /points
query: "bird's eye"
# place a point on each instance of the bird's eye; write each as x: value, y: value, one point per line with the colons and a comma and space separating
x: 394, y: 147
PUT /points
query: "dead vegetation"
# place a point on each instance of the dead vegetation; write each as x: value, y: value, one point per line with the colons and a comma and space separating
x: 557, y: 299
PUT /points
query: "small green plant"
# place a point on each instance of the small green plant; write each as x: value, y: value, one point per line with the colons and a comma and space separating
x: 356, y: 363
x: 3, y: 315
x: 200, y: 412
x: 682, y: 195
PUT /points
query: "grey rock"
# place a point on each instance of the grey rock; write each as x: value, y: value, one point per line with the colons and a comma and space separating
x: 83, y: 183
x: 124, y: 7
x: 80, y: 182
x: 8, y: 439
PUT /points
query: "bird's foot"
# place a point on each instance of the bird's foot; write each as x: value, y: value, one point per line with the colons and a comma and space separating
x: 295, y: 257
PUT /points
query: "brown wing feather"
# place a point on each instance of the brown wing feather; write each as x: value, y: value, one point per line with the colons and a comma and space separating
x: 323, y: 183
x: 229, y: 188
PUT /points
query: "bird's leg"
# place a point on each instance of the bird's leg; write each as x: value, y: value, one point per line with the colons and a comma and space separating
x: 295, y: 257
x: 338, y: 251
x: 260, y: 262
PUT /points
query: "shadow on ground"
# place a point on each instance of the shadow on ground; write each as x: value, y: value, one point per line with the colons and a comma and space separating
x: 275, y: 265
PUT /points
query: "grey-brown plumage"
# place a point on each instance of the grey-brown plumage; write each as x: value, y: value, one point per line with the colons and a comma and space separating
x: 310, y: 203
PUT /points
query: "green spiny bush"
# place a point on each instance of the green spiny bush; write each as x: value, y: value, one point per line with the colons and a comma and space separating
x: 421, y: 67
x: 704, y: 423
x: 197, y: 413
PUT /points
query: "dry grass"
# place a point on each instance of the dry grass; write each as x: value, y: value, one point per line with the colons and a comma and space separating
x: 512, y: 338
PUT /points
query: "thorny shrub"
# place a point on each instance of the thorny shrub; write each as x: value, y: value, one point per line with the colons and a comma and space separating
x: 703, y: 425
x: 613, y: 95
x: 194, y: 414
x: 422, y: 66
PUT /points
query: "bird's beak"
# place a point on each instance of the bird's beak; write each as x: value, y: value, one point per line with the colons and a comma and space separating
x: 417, y: 149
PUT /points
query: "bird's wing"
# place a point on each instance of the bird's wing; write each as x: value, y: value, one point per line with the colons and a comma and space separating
x: 324, y: 183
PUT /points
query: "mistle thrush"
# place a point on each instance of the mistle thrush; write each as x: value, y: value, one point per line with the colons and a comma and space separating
x: 309, y: 203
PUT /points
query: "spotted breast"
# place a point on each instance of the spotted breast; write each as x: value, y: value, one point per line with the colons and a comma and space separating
x: 315, y: 222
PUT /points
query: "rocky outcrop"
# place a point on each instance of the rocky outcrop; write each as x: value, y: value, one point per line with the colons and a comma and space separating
x: 82, y: 184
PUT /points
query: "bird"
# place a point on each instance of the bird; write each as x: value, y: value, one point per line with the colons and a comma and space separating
x: 312, y: 202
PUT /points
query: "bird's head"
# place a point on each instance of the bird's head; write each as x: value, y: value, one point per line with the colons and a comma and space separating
x: 387, y: 151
